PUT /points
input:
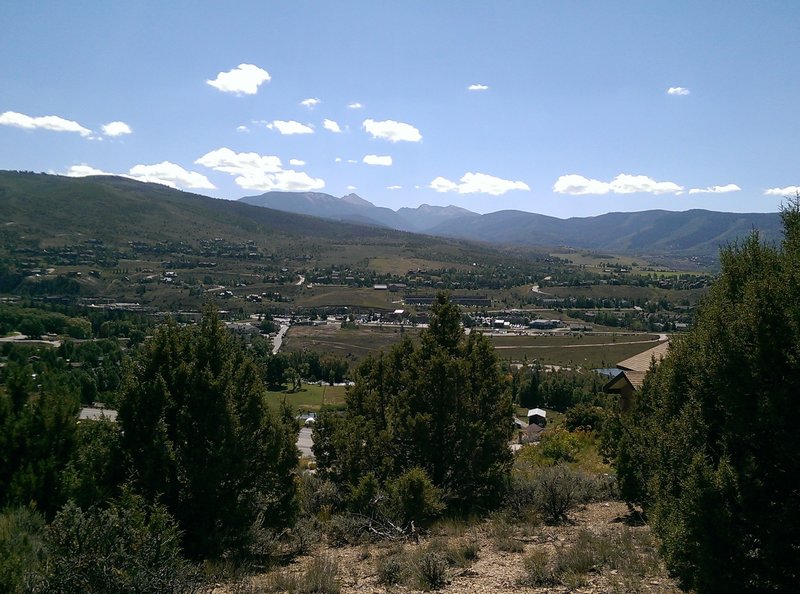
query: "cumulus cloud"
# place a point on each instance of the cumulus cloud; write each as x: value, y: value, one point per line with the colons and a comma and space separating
x: 392, y: 131
x: 165, y: 173
x: 50, y: 122
x: 716, y: 189
x: 172, y: 175
x: 116, y: 129
x: 331, y: 125
x: 242, y: 80
x: 622, y: 184
x: 242, y: 129
x: 259, y: 172
x: 310, y: 103
x: 384, y: 160
x: 678, y: 91
x: 394, y: 187
x: 290, y: 127
x: 354, y: 105
x: 352, y: 161
x: 296, y: 162
x: 477, y: 87
x: 787, y: 191
x: 351, y: 188
x: 337, y: 160
x: 84, y: 170
x: 477, y: 183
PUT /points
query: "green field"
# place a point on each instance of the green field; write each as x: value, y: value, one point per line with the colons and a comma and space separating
x: 310, y: 398
x: 352, y: 344
x: 586, y: 355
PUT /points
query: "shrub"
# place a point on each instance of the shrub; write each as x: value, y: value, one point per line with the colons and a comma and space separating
x: 21, y: 548
x: 392, y: 567
x: 414, y: 498
x: 129, y: 547
x: 502, y: 530
x: 463, y: 553
x: 538, y: 571
x: 318, y: 578
x: 559, y: 490
x: 430, y: 570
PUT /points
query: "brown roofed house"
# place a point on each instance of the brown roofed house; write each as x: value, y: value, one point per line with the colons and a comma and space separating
x: 632, y: 373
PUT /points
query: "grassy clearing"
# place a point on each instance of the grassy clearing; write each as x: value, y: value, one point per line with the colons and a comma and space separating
x: 336, y: 296
x: 569, y: 339
x: 588, y: 357
x: 352, y: 344
x: 310, y: 398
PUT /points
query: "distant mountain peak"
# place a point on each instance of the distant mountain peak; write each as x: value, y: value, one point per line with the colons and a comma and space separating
x: 356, y: 200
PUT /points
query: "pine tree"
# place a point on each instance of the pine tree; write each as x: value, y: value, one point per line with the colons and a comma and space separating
x: 711, y: 447
x: 442, y: 407
x: 198, y: 437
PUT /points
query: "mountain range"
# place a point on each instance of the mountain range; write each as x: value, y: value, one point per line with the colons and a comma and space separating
x: 691, y: 232
x: 54, y: 208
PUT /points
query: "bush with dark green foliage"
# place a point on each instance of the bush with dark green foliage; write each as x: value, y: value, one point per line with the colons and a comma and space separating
x: 198, y: 436
x: 442, y: 407
x: 37, y: 438
x: 21, y: 549
x: 710, y: 446
x: 130, y: 546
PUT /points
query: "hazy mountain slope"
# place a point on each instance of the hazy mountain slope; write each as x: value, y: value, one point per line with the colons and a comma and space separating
x: 355, y: 209
x: 654, y: 231
x: 350, y: 208
x: 60, y: 210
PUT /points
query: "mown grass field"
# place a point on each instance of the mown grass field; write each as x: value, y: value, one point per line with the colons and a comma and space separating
x: 353, y: 344
x: 585, y: 355
x: 310, y: 398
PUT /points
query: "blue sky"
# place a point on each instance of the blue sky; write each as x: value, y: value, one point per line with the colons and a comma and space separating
x: 563, y: 108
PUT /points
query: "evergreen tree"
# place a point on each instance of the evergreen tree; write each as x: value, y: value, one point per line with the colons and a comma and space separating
x: 442, y: 407
x: 198, y: 436
x: 37, y: 438
x: 711, y: 448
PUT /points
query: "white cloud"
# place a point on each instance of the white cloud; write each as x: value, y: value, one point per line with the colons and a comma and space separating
x: 259, y: 172
x: 290, y: 127
x: 331, y: 125
x: 351, y: 188
x: 392, y: 131
x: 477, y: 87
x: 242, y: 129
x: 244, y: 79
x: 170, y: 174
x: 310, y: 103
x: 337, y: 160
x: 116, y: 129
x: 622, y: 184
x: 354, y: 105
x: 787, y: 191
x: 51, y: 122
x: 478, y: 183
x: 352, y: 161
x: 384, y: 160
x: 716, y: 189
x: 442, y: 184
x: 296, y: 162
x: 394, y: 187
x: 678, y: 91
x: 84, y: 170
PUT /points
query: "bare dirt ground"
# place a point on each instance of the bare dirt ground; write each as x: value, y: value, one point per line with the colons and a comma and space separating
x: 496, y: 571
